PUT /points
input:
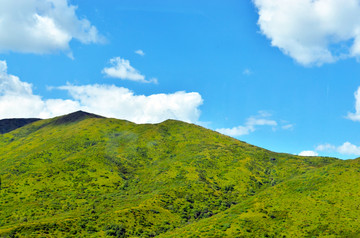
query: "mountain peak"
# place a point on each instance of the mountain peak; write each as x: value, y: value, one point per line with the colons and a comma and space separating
x: 74, y: 117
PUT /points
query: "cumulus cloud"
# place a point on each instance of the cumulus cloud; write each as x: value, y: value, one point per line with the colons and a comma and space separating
x: 106, y: 100
x: 42, y: 26
x: 14, y: 93
x: 312, y: 32
x: 121, y: 68
x: 356, y: 116
x: 140, y: 52
x: 251, y: 124
x: 11, y: 84
x: 137, y: 108
x: 308, y: 153
x: 347, y: 148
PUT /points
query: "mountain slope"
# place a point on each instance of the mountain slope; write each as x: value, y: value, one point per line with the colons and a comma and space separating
x: 319, y: 203
x: 85, y: 175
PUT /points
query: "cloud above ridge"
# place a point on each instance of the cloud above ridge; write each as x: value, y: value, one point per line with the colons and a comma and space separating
x: 347, y: 148
x: 312, y: 32
x: 251, y: 124
x: 137, y: 108
x: 308, y: 153
x: 105, y: 100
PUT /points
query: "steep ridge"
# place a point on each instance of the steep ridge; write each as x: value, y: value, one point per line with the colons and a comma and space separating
x: 94, y: 176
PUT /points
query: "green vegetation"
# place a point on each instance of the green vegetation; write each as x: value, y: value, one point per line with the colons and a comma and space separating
x: 85, y: 176
x: 319, y: 203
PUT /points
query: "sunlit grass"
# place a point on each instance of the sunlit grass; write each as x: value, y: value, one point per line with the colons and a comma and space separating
x: 107, y: 177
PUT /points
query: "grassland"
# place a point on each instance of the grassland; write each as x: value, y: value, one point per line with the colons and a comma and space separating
x: 82, y: 175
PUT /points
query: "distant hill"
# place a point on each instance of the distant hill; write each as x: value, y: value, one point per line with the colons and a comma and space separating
x: 7, y: 125
x: 83, y: 175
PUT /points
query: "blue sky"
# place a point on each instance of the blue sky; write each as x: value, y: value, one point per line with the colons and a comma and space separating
x: 277, y: 74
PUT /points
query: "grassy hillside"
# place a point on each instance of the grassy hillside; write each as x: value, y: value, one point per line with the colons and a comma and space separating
x: 319, y: 203
x: 82, y: 175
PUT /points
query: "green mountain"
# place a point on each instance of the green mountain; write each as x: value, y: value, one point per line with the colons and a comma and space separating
x: 82, y: 175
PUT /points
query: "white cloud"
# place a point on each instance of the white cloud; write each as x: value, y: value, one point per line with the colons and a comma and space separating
x: 287, y: 127
x: 356, y: 116
x: 140, y: 52
x: 137, y: 108
x: 106, y: 100
x: 326, y: 147
x: 121, y: 68
x: 42, y: 26
x: 16, y: 97
x: 251, y: 125
x: 308, y: 153
x: 254, y: 121
x: 236, y: 131
x: 312, y: 32
x: 11, y: 84
x: 347, y: 148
